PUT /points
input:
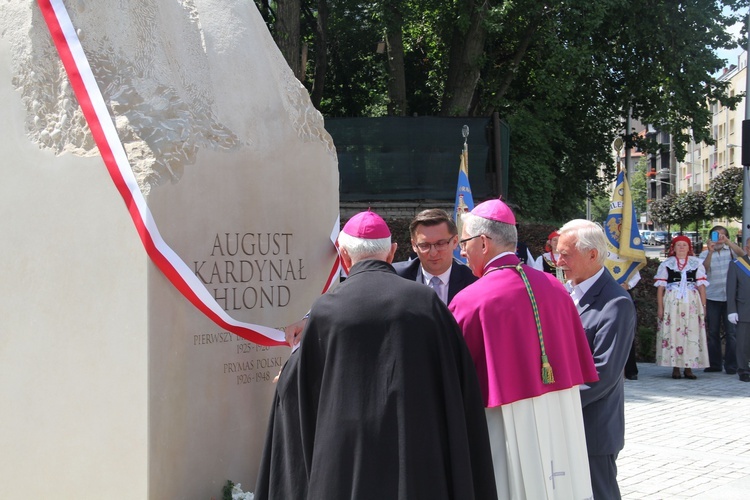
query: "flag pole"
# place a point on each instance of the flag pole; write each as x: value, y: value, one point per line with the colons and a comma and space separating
x: 465, y: 134
x: 464, y: 200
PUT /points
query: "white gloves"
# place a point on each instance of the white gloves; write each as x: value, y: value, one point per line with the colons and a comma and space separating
x: 733, y: 318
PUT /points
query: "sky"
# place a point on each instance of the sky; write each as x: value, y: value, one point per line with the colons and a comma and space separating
x: 732, y: 55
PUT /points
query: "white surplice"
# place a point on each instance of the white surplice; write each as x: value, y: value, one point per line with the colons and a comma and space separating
x: 539, y: 448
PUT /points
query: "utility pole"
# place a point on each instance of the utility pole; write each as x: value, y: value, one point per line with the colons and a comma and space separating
x: 746, y: 151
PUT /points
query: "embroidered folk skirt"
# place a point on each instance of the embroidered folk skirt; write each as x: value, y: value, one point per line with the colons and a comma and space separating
x: 681, y: 335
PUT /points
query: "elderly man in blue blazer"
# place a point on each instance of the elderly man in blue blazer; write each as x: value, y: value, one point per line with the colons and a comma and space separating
x: 434, y: 236
x: 738, y: 309
x: 608, y: 316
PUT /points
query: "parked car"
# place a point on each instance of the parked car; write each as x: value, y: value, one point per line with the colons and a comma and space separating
x: 645, y: 234
x: 690, y: 234
x: 658, y: 237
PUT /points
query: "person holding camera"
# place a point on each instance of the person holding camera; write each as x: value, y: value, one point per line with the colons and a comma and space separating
x: 720, y: 253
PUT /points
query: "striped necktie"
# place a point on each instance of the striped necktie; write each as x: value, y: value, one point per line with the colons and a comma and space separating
x: 437, y: 285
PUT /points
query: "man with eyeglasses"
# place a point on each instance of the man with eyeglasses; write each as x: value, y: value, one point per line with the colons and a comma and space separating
x: 531, y: 355
x: 434, y: 237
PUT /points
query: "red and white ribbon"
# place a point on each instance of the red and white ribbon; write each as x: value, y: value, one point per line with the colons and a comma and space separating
x: 113, y: 153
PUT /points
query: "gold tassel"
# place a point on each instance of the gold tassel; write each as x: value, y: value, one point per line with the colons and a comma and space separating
x: 547, y: 376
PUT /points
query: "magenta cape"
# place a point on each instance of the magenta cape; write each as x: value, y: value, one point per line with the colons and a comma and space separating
x: 497, y: 321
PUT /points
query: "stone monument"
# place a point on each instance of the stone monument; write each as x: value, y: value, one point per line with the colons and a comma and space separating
x: 113, y: 383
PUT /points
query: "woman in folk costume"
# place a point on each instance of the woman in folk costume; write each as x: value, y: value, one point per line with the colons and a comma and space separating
x: 681, y: 308
x: 547, y: 262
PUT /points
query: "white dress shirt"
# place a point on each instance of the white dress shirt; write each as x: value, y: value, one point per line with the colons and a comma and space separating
x: 444, y: 278
x: 578, y: 291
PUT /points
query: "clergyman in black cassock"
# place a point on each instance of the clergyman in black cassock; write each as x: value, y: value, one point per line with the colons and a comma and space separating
x: 381, y: 400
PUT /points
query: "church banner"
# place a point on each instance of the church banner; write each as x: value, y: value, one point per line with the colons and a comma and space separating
x: 626, y: 255
x: 464, y: 200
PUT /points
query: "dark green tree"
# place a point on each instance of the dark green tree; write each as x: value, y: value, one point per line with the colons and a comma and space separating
x: 639, y: 186
x: 662, y: 211
x: 725, y: 195
x: 689, y: 207
x: 566, y: 71
x: 600, y: 207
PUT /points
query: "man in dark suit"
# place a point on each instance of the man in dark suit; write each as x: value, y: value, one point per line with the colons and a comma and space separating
x: 434, y: 237
x: 608, y: 316
x: 738, y: 309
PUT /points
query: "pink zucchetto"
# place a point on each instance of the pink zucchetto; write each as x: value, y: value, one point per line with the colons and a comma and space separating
x: 495, y: 210
x: 368, y: 226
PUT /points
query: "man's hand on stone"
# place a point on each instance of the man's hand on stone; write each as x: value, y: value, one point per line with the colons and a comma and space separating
x: 293, y: 332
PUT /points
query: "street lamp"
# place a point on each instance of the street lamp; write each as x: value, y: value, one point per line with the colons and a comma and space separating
x: 661, y: 181
x: 731, y: 146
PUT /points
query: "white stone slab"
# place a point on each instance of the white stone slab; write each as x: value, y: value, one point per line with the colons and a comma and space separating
x: 111, y: 383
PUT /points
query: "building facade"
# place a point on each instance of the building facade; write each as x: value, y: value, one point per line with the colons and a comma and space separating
x: 704, y: 162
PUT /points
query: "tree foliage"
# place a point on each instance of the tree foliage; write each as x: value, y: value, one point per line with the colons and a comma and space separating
x: 689, y: 207
x: 661, y: 210
x: 639, y: 186
x: 725, y: 194
x: 564, y: 71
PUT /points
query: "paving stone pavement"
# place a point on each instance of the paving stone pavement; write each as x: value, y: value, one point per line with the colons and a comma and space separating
x: 685, y: 438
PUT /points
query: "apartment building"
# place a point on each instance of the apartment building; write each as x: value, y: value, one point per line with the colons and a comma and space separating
x: 702, y: 162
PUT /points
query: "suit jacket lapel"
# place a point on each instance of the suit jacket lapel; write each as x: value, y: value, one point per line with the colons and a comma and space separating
x: 592, y: 293
x: 413, y: 270
x: 456, y: 283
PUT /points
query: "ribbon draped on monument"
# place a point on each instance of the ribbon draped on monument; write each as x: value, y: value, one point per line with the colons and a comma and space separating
x: 626, y: 255
x: 113, y: 153
x: 464, y: 200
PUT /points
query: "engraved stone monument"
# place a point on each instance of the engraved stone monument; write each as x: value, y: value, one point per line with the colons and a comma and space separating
x: 114, y: 381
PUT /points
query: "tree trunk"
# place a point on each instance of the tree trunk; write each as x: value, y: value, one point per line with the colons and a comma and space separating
x: 523, y: 46
x: 264, y: 9
x: 321, y: 53
x: 463, y: 67
x: 288, y: 32
x: 395, y: 45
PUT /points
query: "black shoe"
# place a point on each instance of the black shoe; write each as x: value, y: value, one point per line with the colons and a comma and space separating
x: 745, y: 377
x: 731, y: 372
x: 631, y: 377
x: 712, y: 369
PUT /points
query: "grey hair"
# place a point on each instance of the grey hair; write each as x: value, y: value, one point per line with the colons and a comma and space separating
x: 589, y: 236
x: 360, y: 248
x: 501, y: 233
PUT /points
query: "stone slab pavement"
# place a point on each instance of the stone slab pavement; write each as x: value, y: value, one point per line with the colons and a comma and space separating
x: 685, y: 438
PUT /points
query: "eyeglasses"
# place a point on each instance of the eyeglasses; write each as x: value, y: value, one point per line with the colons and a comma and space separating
x: 462, y: 243
x: 439, y: 245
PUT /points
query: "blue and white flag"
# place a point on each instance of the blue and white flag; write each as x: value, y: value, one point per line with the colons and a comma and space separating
x: 464, y: 199
x: 626, y: 255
